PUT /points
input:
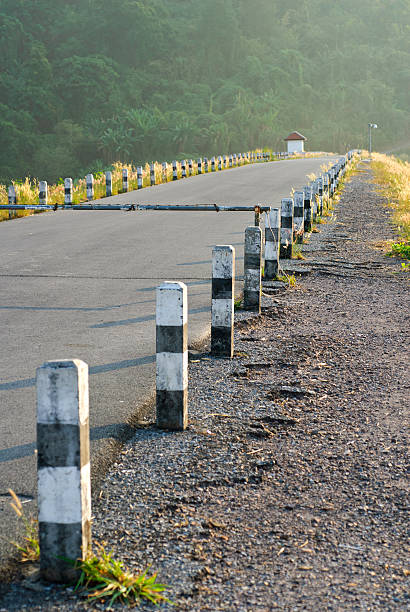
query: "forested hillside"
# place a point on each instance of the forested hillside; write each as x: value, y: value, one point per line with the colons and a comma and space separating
x: 86, y: 82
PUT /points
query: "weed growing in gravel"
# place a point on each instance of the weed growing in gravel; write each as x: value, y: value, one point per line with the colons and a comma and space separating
x: 237, y: 304
x: 103, y: 578
x: 297, y: 252
x: 394, y: 177
x: 31, y: 550
x: 287, y: 278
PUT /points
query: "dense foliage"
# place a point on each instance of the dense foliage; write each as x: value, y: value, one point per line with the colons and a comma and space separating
x: 89, y: 81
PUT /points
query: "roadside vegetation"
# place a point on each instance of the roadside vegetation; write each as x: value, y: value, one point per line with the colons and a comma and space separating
x: 393, y: 176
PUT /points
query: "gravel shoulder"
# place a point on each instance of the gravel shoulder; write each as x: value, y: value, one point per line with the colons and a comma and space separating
x: 288, y: 490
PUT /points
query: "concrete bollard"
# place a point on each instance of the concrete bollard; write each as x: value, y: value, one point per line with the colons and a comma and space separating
x: 125, y: 180
x: 286, y: 228
x: 206, y: 165
x: 183, y: 168
x: 190, y: 167
x: 43, y: 192
x: 230, y: 161
x: 326, y: 187
x: 174, y: 171
x: 219, y: 163
x: 12, y: 199
x: 164, y: 172
x: 152, y: 180
x: 199, y: 162
x: 253, y: 269
x: 225, y: 161
x: 223, y: 284
x: 90, y: 187
x: 139, y: 177
x: 213, y: 164
x: 320, y: 194
x: 68, y: 191
x: 272, y: 242
x: 308, y: 216
x: 235, y: 160
x: 108, y: 183
x: 172, y: 356
x: 298, y: 215
x: 63, y: 462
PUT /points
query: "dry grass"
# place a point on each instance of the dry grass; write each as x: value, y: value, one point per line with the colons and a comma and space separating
x: 394, y: 177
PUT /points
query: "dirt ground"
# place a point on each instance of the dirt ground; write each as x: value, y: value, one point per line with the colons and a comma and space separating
x: 289, y: 489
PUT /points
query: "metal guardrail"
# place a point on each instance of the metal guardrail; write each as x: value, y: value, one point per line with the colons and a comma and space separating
x: 129, y: 207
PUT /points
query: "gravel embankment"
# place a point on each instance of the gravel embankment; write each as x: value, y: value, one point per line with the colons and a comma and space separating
x: 288, y: 491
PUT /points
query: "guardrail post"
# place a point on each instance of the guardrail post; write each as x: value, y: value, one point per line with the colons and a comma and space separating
x: 164, y: 172
x: 43, y: 192
x: 183, y: 168
x: 219, y: 163
x: 206, y: 165
x: 272, y: 242
x: 90, y: 187
x: 63, y: 461
x: 223, y: 283
x: 315, y: 198
x: 199, y: 162
x: 213, y: 164
x: 172, y: 356
x: 286, y: 228
x: 125, y: 180
x: 253, y: 269
x: 12, y: 199
x: 68, y: 191
x: 190, y: 167
x: 298, y: 215
x: 108, y: 183
x: 230, y: 161
x: 307, y: 190
x: 174, y: 171
x: 139, y: 177
x: 152, y: 174
x: 320, y: 193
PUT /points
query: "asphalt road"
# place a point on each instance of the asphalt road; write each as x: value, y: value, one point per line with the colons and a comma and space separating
x: 82, y: 284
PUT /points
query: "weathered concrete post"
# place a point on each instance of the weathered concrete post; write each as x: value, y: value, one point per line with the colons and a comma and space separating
x: 320, y: 193
x: 90, y: 187
x: 108, y: 183
x: 230, y: 161
x: 298, y: 215
x: 225, y: 161
x: 223, y: 284
x: 219, y: 163
x: 206, y: 165
x: 213, y: 164
x: 326, y: 189
x: 152, y: 180
x: 286, y: 228
x: 315, y: 200
x: 172, y: 356
x: 125, y: 180
x: 253, y: 269
x: 63, y: 461
x: 183, y: 168
x: 68, y: 191
x: 174, y: 171
x: 307, y: 190
x: 164, y: 172
x: 139, y: 177
x: 199, y: 162
x: 12, y: 199
x: 190, y: 167
x: 272, y: 243
x: 43, y: 192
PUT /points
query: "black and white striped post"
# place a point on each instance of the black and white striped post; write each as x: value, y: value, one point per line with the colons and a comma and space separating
x: 183, y: 168
x: 172, y: 356
x: 223, y: 283
x: 320, y: 193
x: 152, y: 180
x: 43, y: 192
x: 190, y: 167
x: 68, y: 191
x: 230, y: 161
x: 286, y: 228
x: 219, y: 163
x: 235, y: 159
x: 174, y: 171
x: 253, y: 269
x: 298, y: 215
x: 125, y: 180
x: 164, y: 172
x: 315, y: 199
x: 139, y: 177
x: 63, y: 463
x: 213, y: 164
x: 206, y: 165
x: 12, y: 199
x: 272, y: 243
x: 199, y: 162
x: 307, y: 190
x: 89, y: 180
x: 225, y: 161
x: 108, y: 183
x: 326, y: 188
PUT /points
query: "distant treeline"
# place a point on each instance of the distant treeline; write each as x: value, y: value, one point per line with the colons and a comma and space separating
x: 88, y: 81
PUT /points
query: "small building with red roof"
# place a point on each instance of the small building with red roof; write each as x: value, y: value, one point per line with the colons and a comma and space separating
x: 295, y: 142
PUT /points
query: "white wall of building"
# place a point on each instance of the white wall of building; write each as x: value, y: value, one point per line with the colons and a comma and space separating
x: 296, y: 146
